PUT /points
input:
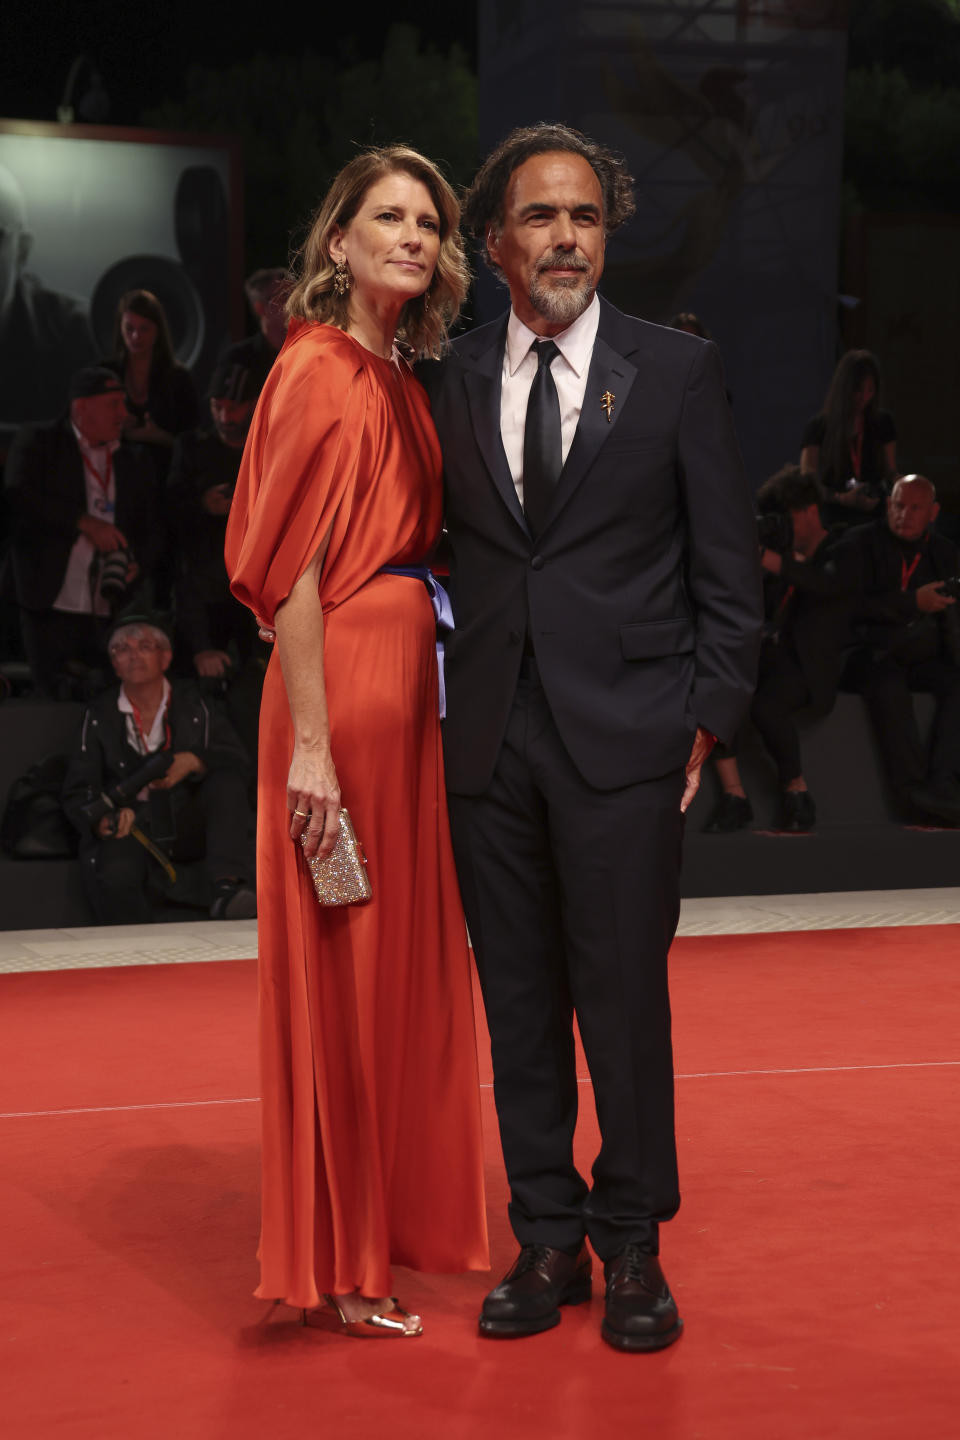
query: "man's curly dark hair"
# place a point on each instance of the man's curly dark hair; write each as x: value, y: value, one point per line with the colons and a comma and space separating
x: 790, y: 489
x: 483, y: 202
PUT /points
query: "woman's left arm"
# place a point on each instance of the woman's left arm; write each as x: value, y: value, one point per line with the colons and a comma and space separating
x: 313, y: 794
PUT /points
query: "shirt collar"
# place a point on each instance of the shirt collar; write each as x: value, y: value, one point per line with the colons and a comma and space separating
x: 575, y: 343
x: 125, y: 704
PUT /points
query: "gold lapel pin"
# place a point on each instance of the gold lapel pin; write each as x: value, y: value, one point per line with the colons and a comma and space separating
x: 606, y: 400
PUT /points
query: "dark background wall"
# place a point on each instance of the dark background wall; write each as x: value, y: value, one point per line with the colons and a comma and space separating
x: 731, y: 117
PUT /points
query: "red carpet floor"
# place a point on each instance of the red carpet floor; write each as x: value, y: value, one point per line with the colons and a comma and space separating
x: 814, y: 1259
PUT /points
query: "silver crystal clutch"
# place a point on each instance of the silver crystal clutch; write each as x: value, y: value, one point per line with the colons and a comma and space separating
x: 341, y: 879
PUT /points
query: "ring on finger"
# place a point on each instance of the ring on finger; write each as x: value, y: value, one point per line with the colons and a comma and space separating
x: 302, y: 813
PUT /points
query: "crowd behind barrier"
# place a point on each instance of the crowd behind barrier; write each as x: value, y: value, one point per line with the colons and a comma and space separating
x: 117, y: 511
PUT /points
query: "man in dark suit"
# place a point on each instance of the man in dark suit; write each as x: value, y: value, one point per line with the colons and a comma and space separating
x: 85, y: 528
x: 605, y: 586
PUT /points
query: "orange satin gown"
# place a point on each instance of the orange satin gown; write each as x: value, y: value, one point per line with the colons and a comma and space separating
x: 371, y: 1117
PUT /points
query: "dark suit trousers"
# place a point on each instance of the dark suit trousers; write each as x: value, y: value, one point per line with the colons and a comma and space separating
x: 572, y: 898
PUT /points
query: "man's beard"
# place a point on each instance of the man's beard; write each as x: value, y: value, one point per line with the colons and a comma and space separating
x: 233, y: 434
x: 561, y: 302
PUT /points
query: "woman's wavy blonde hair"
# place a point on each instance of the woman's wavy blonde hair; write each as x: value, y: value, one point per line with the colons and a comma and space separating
x: 423, y: 327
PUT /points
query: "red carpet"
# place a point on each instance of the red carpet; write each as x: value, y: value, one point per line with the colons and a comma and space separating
x: 814, y: 1259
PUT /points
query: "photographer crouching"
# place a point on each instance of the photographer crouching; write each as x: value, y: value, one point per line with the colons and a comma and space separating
x: 805, y: 634
x: 158, y: 776
x: 86, y: 532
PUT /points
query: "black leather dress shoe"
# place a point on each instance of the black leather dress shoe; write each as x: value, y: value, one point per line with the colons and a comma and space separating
x: 529, y: 1296
x: 641, y: 1313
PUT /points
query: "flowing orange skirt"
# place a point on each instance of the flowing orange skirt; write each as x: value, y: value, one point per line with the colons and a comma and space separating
x: 371, y: 1122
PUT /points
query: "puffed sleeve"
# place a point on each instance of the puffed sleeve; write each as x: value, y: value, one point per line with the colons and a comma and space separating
x: 299, y: 466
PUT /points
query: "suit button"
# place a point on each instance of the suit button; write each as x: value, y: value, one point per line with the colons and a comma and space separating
x: 514, y: 637
x: 536, y: 563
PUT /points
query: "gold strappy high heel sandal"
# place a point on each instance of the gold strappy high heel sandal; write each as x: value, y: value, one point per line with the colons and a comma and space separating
x: 389, y: 1325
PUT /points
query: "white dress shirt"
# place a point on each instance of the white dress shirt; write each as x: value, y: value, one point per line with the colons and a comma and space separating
x: 569, y: 371
x: 79, y: 594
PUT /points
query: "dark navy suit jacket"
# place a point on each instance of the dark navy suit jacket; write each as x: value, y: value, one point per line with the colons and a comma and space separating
x: 641, y: 595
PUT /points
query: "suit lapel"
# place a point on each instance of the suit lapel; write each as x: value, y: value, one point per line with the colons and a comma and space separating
x: 482, y: 377
x: 611, y: 372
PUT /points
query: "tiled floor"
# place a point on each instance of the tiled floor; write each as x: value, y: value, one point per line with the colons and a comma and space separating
x: 236, y: 940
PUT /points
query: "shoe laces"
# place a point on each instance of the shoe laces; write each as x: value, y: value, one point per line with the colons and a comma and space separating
x: 530, y: 1257
x: 635, y: 1262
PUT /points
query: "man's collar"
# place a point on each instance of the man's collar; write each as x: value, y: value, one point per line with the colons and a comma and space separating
x: 125, y: 704
x: 575, y: 343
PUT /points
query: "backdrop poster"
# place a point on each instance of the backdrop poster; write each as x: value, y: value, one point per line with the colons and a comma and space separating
x: 87, y: 213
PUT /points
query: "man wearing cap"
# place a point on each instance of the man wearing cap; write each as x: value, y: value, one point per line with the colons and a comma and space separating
x: 203, y: 473
x: 85, y: 532
x: 192, y: 806
x: 266, y: 292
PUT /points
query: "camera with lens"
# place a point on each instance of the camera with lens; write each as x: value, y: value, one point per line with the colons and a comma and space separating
x: 775, y: 531
x: 123, y: 792
x: 950, y: 587
x: 114, y: 565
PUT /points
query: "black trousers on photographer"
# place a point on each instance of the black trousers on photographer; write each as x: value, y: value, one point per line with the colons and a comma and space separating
x: 211, y: 818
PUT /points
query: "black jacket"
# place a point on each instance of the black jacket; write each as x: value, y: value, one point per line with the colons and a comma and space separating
x: 47, y: 495
x: 871, y: 560
x: 102, y: 755
x: 642, y: 593
x: 873, y: 564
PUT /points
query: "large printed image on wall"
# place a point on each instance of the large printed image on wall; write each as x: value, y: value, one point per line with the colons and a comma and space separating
x: 82, y: 221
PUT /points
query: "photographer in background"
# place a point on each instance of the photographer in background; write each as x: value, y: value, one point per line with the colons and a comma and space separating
x: 158, y: 775
x: 210, y: 622
x: 266, y: 292
x: 802, y: 653
x: 86, y: 533
x: 902, y: 577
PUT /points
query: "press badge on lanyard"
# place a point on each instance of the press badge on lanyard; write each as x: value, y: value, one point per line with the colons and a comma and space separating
x: 99, y: 501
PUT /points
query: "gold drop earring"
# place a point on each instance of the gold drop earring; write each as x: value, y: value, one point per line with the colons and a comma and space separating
x: 341, y: 278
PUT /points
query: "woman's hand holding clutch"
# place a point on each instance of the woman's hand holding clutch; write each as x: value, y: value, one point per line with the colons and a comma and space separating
x: 313, y: 799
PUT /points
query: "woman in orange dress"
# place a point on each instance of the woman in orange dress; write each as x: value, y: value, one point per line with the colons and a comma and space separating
x: 371, y: 1126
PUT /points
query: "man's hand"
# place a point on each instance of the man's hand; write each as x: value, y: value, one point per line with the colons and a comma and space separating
x: 212, y: 663
x: 101, y: 534
x: 702, y: 745
x: 121, y: 819
x: 930, y: 598
x: 771, y: 561
x: 216, y: 500
x: 148, y: 432
x: 184, y: 763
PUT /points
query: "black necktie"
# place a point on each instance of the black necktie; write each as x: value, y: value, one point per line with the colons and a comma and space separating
x: 542, y: 448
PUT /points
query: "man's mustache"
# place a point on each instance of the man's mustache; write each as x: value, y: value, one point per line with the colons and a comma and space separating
x: 562, y: 260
